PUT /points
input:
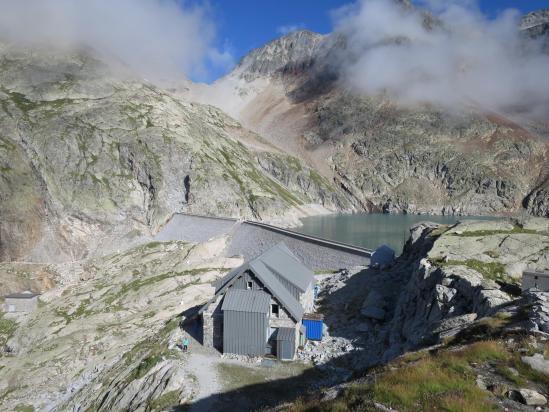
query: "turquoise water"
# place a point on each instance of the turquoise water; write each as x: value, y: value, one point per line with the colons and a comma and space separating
x: 371, y: 230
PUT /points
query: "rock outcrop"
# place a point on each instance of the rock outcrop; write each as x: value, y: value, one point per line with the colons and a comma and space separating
x: 472, y: 271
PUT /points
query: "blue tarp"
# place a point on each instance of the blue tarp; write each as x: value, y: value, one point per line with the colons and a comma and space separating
x: 314, y: 328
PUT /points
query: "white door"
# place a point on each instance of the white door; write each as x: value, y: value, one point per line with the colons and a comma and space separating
x: 11, y: 308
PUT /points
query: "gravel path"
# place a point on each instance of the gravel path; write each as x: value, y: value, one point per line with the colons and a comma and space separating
x: 204, y: 368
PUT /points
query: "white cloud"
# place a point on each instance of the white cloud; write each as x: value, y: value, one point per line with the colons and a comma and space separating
x: 161, y: 38
x: 283, y: 30
x: 222, y: 59
x: 468, y: 59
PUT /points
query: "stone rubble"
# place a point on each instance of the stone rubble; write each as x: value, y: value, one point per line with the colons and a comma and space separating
x: 538, y: 316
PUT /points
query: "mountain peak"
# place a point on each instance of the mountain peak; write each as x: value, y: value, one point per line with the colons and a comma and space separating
x: 291, y: 52
x: 535, y: 18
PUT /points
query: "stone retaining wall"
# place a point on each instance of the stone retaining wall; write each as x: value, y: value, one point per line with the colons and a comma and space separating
x: 249, y: 239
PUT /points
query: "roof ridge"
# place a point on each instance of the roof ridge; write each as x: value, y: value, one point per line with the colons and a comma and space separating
x: 278, y: 290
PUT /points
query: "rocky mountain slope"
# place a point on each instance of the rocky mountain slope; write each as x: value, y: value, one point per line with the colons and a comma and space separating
x: 105, y: 332
x: 109, y: 325
x: 383, y: 156
x: 92, y: 159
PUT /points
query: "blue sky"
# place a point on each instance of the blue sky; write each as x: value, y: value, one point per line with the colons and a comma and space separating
x: 243, y: 25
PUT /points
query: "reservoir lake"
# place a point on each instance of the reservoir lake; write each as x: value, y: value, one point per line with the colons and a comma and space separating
x: 371, y: 230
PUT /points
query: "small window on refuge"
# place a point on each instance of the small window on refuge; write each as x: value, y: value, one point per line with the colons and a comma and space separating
x: 274, y: 309
x: 249, y: 285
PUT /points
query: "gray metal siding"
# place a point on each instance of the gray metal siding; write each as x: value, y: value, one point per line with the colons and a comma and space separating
x: 285, y: 349
x: 535, y: 280
x: 243, y: 279
x: 244, y: 333
x: 240, y: 300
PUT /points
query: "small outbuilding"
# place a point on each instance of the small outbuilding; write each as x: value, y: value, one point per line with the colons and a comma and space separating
x: 21, y: 302
x: 285, y: 343
x: 536, y: 280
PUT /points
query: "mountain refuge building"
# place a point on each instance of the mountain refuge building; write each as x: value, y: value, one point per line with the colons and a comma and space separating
x: 258, y: 307
x: 21, y: 302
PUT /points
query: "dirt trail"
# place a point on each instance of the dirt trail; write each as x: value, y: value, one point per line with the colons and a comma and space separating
x: 202, y: 363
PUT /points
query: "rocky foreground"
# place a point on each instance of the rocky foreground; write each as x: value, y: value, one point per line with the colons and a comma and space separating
x: 104, y: 335
x: 445, y: 327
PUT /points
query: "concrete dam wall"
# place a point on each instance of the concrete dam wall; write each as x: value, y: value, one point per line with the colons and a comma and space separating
x: 250, y: 239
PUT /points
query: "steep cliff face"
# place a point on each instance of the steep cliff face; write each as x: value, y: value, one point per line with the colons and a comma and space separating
x: 468, y: 271
x: 89, y: 158
x: 381, y: 155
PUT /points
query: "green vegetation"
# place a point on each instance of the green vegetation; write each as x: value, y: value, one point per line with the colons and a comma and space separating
x: 24, y: 408
x: 7, y: 329
x: 81, y: 311
x: 516, y: 230
x: 168, y: 401
x: 490, y: 270
x: 247, y: 169
x: 144, y: 366
x: 443, y: 379
x: 137, y: 284
x: 150, y: 352
x: 427, y: 381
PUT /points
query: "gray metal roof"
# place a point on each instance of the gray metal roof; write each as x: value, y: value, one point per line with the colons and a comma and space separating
x: 278, y: 290
x: 246, y: 301
x: 285, y: 334
x: 281, y: 260
x: 23, y: 295
x: 278, y: 260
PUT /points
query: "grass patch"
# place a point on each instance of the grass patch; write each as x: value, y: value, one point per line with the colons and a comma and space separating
x: 7, y: 329
x: 326, y: 271
x: 81, y: 311
x: 489, y: 270
x: 24, y: 408
x: 149, y: 352
x: 144, y: 366
x: 169, y: 401
x: 426, y: 382
x: 507, y: 373
x: 516, y: 230
x: 137, y: 284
